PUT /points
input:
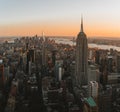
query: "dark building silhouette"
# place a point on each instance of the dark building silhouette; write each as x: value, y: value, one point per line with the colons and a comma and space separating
x: 26, y: 46
x: 1, y: 76
x: 118, y: 63
x: 97, y: 57
x: 53, y: 57
x: 30, y: 57
x: 110, y: 64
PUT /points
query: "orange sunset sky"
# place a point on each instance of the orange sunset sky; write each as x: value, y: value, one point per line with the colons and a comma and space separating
x: 59, y: 18
x: 58, y: 29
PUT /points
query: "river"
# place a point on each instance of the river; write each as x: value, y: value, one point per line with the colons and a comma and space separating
x: 91, y: 45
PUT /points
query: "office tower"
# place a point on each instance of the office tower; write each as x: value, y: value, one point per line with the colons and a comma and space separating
x: 110, y: 63
x: 93, y: 89
x: 105, y: 100
x: 27, y: 46
x: 6, y: 73
x: 81, y: 57
x: 57, y: 65
x: 27, y: 63
x: 38, y: 57
x: 90, y: 55
x: 44, y: 51
x: 58, y: 71
x: 53, y: 57
x: 97, y: 57
x: 93, y: 73
x: 118, y: 62
x: 32, y: 55
x: 1, y: 75
x: 30, y: 67
x: 30, y: 58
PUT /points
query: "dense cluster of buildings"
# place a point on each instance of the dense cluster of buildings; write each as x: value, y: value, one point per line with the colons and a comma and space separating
x: 97, y: 73
x: 36, y: 73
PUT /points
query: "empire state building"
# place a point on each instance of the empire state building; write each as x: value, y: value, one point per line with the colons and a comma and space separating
x: 81, y: 57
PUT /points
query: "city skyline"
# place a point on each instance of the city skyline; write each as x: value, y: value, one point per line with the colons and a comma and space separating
x: 59, y: 18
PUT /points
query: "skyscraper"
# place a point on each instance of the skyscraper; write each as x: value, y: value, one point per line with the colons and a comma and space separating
x: 44, y: 50
x: 81, y: 57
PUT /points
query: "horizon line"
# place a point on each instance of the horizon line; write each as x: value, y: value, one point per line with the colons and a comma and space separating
x: 60, y: 36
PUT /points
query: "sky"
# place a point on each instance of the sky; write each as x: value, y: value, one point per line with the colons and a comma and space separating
x: 59, y: 17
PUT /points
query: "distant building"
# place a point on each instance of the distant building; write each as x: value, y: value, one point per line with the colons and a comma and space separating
x: 58, y: 70
x: 93, y: 73
x: 113, y: 78
x: 44, y: 51
x: 1, y: 76
x: 29, y: 71
x: 105, y: 100
x: 27, y: 46
x: 93, y: 89
x: 97, y: 57
x: 53, y: 57
x: 30, y: 57
x: 6, y: 73
x: 118, y: 62
x: 110, y: 63
x: 90, y: 54
x: 81, y: 57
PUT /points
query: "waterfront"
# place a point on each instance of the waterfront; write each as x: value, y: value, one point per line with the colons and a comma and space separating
x: 90, y: 45
x: 70, y: 42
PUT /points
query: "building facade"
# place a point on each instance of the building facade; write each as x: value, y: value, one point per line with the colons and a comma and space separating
x: 81, y: 57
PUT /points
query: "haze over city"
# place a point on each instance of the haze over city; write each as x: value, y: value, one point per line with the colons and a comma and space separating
x: 59, y: 17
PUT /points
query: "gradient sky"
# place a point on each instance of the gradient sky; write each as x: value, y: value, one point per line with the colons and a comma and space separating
x: 59, y: 17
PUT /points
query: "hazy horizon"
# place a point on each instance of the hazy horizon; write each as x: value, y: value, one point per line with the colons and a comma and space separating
x: 62, y: 36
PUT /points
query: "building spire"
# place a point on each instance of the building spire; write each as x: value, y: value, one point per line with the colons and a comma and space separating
x: 43, y: 34
x: 81, y: 24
